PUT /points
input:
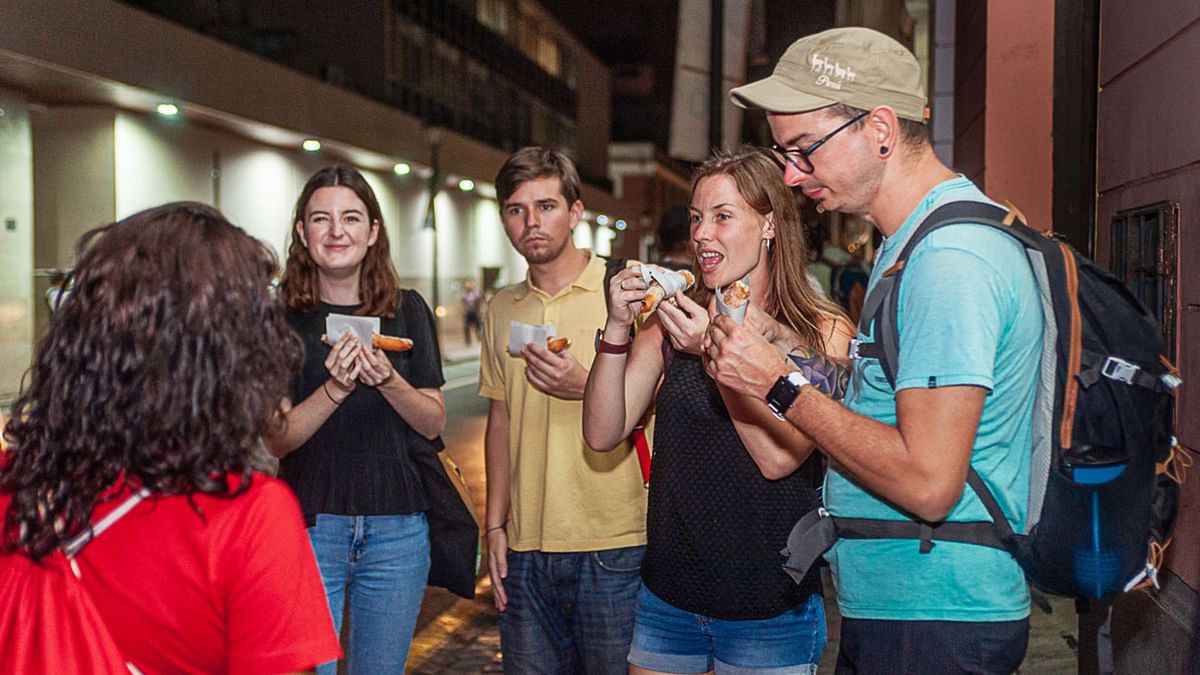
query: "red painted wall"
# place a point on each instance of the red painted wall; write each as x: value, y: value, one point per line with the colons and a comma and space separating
x: 1019, y: 107
x: 1149, y: 152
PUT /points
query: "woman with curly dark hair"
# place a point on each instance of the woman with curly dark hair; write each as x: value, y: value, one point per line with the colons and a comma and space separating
x: 159, y: 375
x: 358, y: 414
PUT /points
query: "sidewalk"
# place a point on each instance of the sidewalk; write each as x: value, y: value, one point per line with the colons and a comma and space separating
x: 465, y: 638
x: 454, y: 350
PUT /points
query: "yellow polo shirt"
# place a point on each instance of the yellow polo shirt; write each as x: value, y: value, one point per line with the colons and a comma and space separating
x: 565, y: 497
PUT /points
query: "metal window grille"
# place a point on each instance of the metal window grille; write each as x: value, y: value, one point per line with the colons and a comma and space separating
x: 1143, y: 256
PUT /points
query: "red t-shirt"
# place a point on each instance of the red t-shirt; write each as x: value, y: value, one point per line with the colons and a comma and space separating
x: 236, y: 590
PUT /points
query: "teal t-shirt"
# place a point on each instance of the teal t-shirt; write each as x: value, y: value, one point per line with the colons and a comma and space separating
x: 969, y: 314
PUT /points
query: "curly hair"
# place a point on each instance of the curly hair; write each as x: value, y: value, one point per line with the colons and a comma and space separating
x: 378, y: 281
x: 760, y: 183
x: 163, y: 368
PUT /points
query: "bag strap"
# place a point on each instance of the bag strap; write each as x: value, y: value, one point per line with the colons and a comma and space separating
x: 611, y: 267
x: 76, y: 544
x: 881, y: 307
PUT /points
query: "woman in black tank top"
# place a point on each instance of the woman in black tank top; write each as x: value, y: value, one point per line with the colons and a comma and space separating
x: 729, y: 479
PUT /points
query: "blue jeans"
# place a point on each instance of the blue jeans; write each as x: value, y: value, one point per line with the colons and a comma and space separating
x: 671, y: 640
x: 384, y: 563
x: 570, y: 612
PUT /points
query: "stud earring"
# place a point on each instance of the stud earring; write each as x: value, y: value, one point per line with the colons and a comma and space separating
x: 883, y: 149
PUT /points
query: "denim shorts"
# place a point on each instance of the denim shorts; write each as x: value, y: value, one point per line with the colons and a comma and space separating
x: 669, y: 640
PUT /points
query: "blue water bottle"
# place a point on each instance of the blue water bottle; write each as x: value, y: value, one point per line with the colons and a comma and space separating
x: 1097, y: 567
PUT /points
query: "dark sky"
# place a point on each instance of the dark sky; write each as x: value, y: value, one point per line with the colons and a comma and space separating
x: 626, y: 33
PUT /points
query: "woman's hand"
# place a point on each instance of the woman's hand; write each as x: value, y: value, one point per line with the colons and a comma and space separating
x: 625, y: 292
x: 375, y: 367
x: 686, y: 324
x: 343, y: 365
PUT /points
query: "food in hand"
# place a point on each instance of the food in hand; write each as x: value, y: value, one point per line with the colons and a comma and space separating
x: 390, y: 343
x: 557, y: 344
x: 736, y: 294
x: 664, y: 282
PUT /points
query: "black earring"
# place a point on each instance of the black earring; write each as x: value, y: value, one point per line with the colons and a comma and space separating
x: 883, y: 149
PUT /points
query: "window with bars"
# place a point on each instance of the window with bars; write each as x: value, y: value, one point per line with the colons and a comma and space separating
x: 1143, y: 256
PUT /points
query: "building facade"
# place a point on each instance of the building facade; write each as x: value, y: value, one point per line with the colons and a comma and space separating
x: 108, y: 107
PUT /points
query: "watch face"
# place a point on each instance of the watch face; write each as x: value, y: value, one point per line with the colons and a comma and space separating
x: 781, y: 396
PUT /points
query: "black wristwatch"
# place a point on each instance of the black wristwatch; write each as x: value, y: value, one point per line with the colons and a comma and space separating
x: 784, y: 393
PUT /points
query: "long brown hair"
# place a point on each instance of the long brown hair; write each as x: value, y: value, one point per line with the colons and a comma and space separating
x: 164, y: 366
x: 790, y: 298
x: 378, y: 281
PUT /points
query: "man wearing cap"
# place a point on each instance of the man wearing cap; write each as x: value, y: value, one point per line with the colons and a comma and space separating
x: 846, y: 109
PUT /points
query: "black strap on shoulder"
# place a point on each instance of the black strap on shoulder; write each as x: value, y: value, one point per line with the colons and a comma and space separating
x: 880, y: 307
x: 611, y: 267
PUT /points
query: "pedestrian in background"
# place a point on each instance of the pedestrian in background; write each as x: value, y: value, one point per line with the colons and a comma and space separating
x: 158, y: 375
x: 729, y: 479
x: 847, y: 111
x: 674, y: 247
x: 354, y: 414
x: 566, y: 525
x: 472, y: 304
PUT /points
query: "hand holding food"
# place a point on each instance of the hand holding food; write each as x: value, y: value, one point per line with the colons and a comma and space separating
x: 733, y: 300
x: 663, y: 283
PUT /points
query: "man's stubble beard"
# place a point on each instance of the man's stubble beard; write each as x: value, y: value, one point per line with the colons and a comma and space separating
x: 548, y: 256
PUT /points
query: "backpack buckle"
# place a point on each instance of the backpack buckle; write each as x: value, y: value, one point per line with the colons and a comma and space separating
x: 854, y: 344
x: 1119, y: 369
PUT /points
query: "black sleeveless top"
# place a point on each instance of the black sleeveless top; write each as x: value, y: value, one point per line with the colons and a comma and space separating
x: 715, y: 525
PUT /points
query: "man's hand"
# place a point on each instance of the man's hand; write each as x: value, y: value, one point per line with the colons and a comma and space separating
x: 560, y: 375
x: 743, y: 360
x: 783, y: 337
x: 497, y: 543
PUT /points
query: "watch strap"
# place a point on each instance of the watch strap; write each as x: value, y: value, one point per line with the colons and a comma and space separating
x: 603, y: 347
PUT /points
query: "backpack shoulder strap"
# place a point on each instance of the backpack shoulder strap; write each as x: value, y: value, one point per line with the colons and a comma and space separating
x: 611, y: 267
x: 75, y: 545
x: 881, y: 306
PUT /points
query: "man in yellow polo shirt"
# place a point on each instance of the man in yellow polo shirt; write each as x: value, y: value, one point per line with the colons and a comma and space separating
x: 566, y: 525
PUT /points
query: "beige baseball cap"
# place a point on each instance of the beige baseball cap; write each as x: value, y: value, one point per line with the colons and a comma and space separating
x: 859, y: 67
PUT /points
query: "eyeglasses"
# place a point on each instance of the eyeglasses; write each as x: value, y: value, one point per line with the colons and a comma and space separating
x: 798, y: 157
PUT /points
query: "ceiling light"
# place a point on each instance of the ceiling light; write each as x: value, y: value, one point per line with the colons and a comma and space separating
x: 466, y: 185
x: 601, y: 219
x: 621, y: 225
x: 167, y: 109
x: 401, y: 168
x: 311, y: 145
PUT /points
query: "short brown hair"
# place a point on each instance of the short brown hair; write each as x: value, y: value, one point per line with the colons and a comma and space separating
x: 378, y: 281
x: 532, y: 163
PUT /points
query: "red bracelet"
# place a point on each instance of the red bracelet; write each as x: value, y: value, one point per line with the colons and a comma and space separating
x: 603, y: 347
